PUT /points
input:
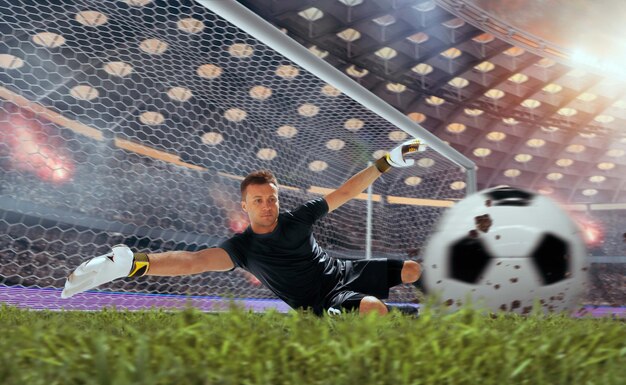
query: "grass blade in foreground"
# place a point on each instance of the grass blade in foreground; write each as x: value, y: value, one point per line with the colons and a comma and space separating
x: 237, y: 347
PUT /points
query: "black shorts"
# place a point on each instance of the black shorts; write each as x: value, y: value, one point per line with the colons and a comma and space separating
x: 361, y: 278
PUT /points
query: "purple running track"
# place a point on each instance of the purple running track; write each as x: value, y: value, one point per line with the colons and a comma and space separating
x: 50, y: 299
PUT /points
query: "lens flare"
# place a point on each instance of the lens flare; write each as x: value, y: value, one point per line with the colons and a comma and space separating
x: 34, y: 151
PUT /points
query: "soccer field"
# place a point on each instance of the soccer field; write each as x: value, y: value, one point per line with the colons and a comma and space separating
x: 177, y: 176
x: 242, y: 347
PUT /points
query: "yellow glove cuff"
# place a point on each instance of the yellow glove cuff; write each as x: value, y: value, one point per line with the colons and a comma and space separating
x: 382, y: 164
x: 141, y: 265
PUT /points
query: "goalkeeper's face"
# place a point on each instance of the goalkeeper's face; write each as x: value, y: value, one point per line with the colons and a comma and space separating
x: 261, y: 204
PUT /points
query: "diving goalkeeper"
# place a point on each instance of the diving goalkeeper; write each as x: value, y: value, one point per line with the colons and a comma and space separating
x: 279, y: 249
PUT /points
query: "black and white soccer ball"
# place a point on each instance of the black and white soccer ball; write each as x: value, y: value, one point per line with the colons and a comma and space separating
x: 503, y: 248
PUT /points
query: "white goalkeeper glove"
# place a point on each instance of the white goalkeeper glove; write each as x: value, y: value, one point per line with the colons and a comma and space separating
x: 120, y: 262
x: 395, y: 158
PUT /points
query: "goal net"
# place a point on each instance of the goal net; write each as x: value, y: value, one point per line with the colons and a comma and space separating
x: 134, y: 121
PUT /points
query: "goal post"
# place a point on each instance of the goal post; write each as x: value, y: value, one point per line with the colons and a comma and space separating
x: 256, y: 26
x: 134, y: 122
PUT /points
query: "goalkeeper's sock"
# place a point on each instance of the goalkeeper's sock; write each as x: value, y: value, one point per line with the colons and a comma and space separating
x: 404, y: 309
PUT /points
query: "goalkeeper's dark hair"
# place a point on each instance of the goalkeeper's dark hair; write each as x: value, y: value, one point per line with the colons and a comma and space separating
x: 257, y: 177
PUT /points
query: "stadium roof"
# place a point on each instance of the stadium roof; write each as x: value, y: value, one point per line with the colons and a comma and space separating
x: 533, y: 92
x: 502, y: 90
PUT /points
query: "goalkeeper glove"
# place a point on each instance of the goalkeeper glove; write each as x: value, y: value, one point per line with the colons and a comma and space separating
x: 395, y: 158
x: 120, y: 262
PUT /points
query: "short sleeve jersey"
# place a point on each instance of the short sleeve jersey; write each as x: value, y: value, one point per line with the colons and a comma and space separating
x: 288, y: 260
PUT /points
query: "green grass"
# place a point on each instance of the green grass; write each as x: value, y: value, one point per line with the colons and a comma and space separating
x: 238, y: 347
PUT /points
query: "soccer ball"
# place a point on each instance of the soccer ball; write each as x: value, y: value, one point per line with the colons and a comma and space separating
x: 503, y: 248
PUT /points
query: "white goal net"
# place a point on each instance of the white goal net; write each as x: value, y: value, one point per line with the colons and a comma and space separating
x: 133, y: 122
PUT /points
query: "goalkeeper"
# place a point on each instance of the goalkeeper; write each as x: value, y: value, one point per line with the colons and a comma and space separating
x: 280, y: 250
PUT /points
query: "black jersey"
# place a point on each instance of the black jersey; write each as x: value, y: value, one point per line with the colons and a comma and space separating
x: 288, y: 260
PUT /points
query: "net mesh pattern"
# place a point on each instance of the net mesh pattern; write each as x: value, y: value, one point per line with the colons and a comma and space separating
x: 133, y: 122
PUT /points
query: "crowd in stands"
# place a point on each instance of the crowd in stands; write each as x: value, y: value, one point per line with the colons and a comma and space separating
x: 612, y: 226
x: 43, y: 257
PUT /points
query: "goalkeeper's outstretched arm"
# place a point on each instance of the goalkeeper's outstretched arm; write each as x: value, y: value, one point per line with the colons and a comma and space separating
x: 122, y: 262
x: 352, y: 187
x: 359, y: 182
x: 172, y: 263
